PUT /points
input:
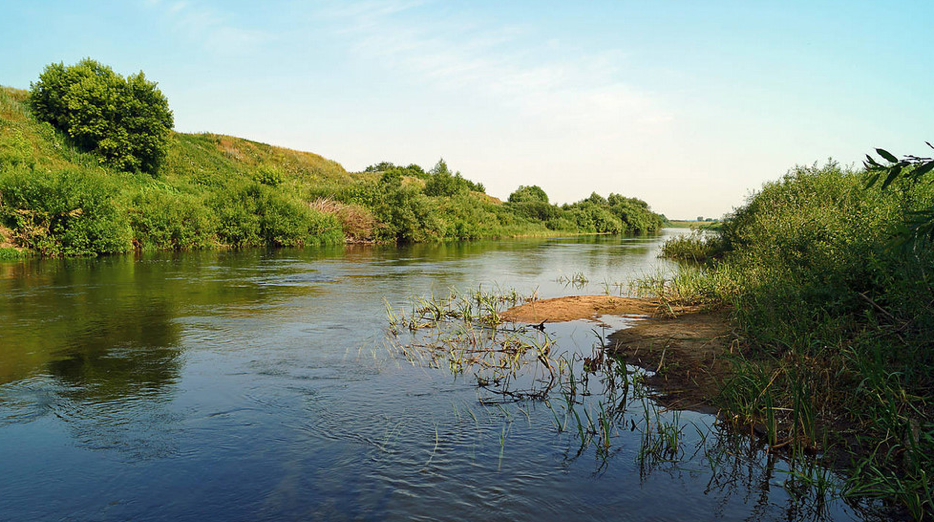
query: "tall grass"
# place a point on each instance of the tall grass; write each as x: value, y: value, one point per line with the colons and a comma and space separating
x: 838, y: 323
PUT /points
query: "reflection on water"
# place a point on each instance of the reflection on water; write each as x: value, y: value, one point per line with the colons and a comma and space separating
x: 257, y: 386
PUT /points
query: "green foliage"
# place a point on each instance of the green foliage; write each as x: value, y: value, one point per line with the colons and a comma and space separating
x: 840, y: 323
x: 920, y: 224
x: 124, y: 120
x: 696, y: 246
x: 615, y: 215
x: 10, y: 254
x: 70, y: 212
x: 408, y: 215
x: 217, y: 191
x: 15, y: 150
x: 269, y: 175
x: 164, y: 219
x: 528, y: 194
x: 257, y: 215
x: 386, y: 167
x: 441, y: 182
x: 537, y: 211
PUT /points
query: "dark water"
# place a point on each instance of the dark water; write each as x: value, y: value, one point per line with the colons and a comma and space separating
x: 258, y: 386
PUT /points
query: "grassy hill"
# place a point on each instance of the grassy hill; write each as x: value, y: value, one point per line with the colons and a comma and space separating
x: 220, y: 191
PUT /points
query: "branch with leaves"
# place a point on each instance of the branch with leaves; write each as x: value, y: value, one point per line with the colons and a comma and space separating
x: 920, y: 224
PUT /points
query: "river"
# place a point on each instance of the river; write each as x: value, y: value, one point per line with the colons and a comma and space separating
x: 266, y: 385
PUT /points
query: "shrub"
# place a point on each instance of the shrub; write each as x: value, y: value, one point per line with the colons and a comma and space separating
x: 408, y: 216
x: 69, y: 212
x: 9, y: 254
x: 257, y: 215
x: 441, y: 182
x: 124, y: 120
x: 536, y: 210
x: 167, y: 220
x: 269, y: 175
x: 528, y: 194
x: 356, y: 221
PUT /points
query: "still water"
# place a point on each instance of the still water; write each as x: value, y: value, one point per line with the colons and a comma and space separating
x: 261, y: 385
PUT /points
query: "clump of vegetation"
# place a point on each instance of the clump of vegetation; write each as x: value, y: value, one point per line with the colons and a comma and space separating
x: 63, y: 213
x: 80, y: 151
x: 838, y: 321
x: 9, y: 253
x: 124, y: 120
x: 697, y: 246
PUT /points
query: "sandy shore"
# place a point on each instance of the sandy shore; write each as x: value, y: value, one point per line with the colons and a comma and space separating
x: 682, y: 345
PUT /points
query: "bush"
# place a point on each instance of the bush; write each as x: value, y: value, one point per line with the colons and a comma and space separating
x: 528, y: 194
x: 840, y: 320
x: 10, y: 254
x: 165, y: 220
x: 257, y: 215
x: 536, y: 210
x: 63, y: 213
x: 269, y: 175
x: 697, y: 247
x: 124, y: 120
x: 408, y: 216
x: 356, y: 221
x: 441, y: 182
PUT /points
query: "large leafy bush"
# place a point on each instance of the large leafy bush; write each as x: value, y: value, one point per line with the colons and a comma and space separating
x: 124, y: 120
x: 69, y: 212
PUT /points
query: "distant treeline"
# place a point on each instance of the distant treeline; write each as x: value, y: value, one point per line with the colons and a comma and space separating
x: 79, y: 177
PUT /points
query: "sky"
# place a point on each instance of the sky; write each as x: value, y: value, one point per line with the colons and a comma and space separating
x: 688, y: 105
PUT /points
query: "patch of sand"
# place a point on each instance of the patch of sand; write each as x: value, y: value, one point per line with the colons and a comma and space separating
x: 682, y: 345
x: 575, y: 307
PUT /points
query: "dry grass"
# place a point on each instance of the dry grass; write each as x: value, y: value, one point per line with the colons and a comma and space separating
x: 6, y: 237
x: 356, y: 221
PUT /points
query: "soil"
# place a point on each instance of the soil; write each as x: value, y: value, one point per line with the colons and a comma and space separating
x: 682, y: 345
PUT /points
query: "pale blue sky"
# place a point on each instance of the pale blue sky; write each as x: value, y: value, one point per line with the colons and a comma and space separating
x: 688, y: 105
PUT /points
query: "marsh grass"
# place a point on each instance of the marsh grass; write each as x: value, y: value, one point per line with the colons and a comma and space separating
x: 835, y: 323
x: 577, y: 280
x: 698, y: 246
x: 593, y: 400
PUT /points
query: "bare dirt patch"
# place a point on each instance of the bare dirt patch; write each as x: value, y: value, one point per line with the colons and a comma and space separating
x: 682, y: 345
x: 685, y: 352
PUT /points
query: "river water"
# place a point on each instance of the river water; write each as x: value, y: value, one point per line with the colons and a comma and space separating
x: 264, y: 385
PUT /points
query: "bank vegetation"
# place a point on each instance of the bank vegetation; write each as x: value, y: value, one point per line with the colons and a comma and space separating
x: 89, y: 165
x: 831, y: 296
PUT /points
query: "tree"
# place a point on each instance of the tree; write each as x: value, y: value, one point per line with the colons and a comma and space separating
x: 526, y: 194
x: 124, y: 120
x: 441, y: 182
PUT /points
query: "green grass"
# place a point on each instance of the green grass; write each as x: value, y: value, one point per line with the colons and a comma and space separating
x: 836, y: 322
x: 216, y: 191
x: 10, y: 254
x: 697, y: 247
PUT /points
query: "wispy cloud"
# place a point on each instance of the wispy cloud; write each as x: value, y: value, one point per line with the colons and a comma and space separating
x: 212, y: 27
x: 504, y: 63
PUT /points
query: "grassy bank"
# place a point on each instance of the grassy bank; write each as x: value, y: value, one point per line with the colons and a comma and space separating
x: 836, y: 321
x: 215, y: 191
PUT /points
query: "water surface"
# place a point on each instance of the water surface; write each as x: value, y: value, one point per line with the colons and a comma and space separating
x: 258, y: 385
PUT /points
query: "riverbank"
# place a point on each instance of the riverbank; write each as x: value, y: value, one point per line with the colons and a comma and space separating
x: 683, y: 346
x: 828, y: 279
x: 213, y: 191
